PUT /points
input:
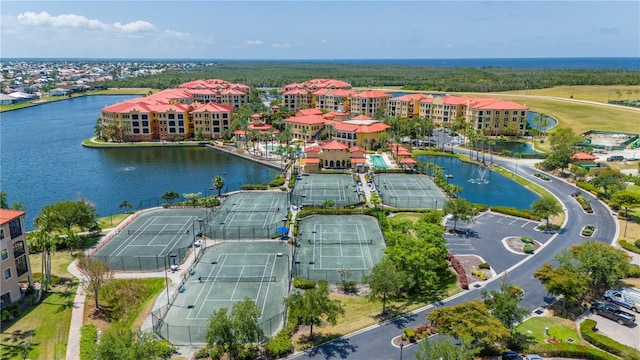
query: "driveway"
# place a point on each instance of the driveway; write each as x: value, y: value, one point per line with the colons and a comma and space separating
x: 485, y: 238
x: 628, y: 335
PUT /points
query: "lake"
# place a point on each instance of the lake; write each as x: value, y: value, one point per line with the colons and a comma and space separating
x: 43, y: 161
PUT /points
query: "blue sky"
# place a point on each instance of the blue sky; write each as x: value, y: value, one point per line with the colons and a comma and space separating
x: 319, y: 29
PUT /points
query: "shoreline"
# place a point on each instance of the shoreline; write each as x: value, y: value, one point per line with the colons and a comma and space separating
x: 134, y: 91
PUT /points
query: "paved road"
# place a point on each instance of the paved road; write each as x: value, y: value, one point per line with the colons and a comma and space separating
x: 375, y: 342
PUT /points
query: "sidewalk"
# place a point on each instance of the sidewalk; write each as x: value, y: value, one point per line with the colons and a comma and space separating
x: 77, y: 314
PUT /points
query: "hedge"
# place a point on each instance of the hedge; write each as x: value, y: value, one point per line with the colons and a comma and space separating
x: 523, y: 213
x: 301, y: 283
x: 580, y: 352
x: 255, y: 187
x: 600, y: 341
x: 88, y: 342
x: 629, y: 246
x: 411, y: 336
x: 462, y: 275
x: 528, y: 249
x: 526, y: 239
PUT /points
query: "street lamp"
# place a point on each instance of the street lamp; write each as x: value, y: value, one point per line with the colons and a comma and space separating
x: 166, y: 279
x: 297, y: 268
x: 401, y: 346
x: 517, y: 156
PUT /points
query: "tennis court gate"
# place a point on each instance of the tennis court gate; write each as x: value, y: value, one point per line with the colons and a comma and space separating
x: 145, y: 263
x: 196, y: 335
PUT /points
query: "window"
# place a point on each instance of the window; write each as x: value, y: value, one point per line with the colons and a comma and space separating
x: 14, y: 228
x: 181, y: 123
x: 136, y: 131
x: 225, y: 115
x: 136, y: 123
x: 172, y: 130
x: 4, y: 254
x: 181, y: 130
x: 18, y: 249
x: 7, y: 274
x: 145, y: 123
x: 134, y: 116
x: 145, y: 117
x: 216, y: 129
x: 172, y: 116
x: 146, y: 131
x: 172, y: 123
x: 21, y: 265
x: 180, y: 116
x: 1, y: 233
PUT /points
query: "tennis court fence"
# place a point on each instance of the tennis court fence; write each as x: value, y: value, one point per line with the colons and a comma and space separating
x: 412, y: 202
x: 196, y: 335
x: 145, y: 263
x: 242, y: 233
x: 330, y: 276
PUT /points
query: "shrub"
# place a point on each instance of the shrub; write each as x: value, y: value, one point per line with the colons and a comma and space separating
x: 279, y: 345
x: 279, y: 180
x: 88, y: 339
x: 526, y: 239
x: 462, y: 275
x: 528, y: 249
x: 202, y: 353
x: 300, y: 283
x: 411, y: 336
x: 485, y: 266
x: 588, y: 230
x: 254, y: 187
x: 600, y: 341
x: 637, y: 243
x: 634, y: 271
x: 480, y: 274
x: 523, y: 213
x: 628, y: 246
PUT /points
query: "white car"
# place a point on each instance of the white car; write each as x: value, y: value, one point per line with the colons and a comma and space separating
x: 533, y: 357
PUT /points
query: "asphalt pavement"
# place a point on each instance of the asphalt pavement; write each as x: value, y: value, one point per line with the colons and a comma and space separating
x: 375, y: 341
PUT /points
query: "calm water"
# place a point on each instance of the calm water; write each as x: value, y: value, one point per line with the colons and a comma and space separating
x: 42, y: 161
x: 498, y: 191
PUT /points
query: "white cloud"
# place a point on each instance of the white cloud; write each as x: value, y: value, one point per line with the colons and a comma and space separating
x: 324, y: 41
x: 281, y: 46
x: 253, y: 42
x: 45, y: 20
x: 136, y: 26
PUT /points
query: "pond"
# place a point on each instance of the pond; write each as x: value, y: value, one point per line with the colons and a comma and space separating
x: 481, y: 185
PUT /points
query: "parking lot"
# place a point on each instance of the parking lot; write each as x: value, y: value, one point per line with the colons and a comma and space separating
x: 628, y: 335
x: 485, y: 234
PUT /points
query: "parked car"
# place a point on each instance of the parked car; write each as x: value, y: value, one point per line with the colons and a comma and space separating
x: 511, y: 355
x: 613, y: 312
x: 628, y: 298
x: 533, y: 357
x: 615, y: 158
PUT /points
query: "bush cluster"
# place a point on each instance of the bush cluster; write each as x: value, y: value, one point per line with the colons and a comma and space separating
x: 480, y: 274
x: 411, y: 336
x: 579, y: 352
x: 528, y: 249
x: 88, y: 340
x: 462, y: 275
x: 629, y: 246
x: 526, y: 239
x: 588, y: 230
x: 278, y: 181
x: 523, y: 213
x: 300, y: 283
x: 254, y: 187
x: 584, y: 203
x: 485, y: 266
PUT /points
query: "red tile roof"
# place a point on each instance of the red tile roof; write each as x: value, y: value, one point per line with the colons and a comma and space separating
x: 373, y: 94
x: 495, y: 104
x: 334, y: 145
x: 7, y: 215
x: 312, y: 160
x: 583, y: 156
x: 373, y: 128
x: 408, y: 97
x: 312, y: 149
x: 213, y: 107
x: 408, y: 160
x: 356, y: 148
x: 306, y: 120
x: 358, y: 160
x: 334, y: 92
x: 313, y: 111
x: 362, y: 117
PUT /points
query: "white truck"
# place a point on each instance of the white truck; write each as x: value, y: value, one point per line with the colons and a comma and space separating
x: 628, y: 298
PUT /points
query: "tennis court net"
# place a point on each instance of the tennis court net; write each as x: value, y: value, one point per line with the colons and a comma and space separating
x: 408, y: 187
x: 341, y: 242
x: 253, y: 211
x: 233, y: 279
x: 158, y: 232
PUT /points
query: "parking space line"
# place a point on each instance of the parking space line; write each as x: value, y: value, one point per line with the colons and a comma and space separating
x: 525, y: 224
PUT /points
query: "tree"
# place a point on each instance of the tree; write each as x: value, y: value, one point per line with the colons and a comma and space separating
x: 125, y: 344
x: 627, y: 199
x: 504, y: 304
x: 4, y: 204
x: 459, y: 209
x: 97, y: 274
x: 43, y: 241
x: 546, y: 207
x: 230, y: 331
x: 192, y: 198
x: 218, y: 184
x: 314, y: 307
x: 603, y: 264
x: 384, y: 282
x: 170, y: 196
x: 562, y: 281
x: 125, y: 205
x: 447, y: 349
x: 610, y: 180
x: 471, y: 322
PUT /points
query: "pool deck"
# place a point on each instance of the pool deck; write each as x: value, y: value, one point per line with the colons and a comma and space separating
x: 391, y: 163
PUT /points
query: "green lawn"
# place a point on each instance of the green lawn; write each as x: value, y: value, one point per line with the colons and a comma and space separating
x: 559, y: 329
x: 47, y: 325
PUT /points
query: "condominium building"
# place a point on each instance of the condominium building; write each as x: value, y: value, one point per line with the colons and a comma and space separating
x: 406, y: 106
x: 300, y: 95
x: 369, y: 103
x: 210, y: 120
x: 14, y: 257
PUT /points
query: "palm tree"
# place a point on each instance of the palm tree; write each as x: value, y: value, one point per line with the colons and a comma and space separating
x: 125, y: 205
x: 218, y: 184
x: 459, y: 209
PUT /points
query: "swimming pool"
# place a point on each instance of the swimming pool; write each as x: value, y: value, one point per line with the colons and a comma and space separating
x: 378, y: 161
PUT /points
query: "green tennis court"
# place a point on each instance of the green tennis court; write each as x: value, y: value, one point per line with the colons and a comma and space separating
x: 249, y: 215
x: 409, y: 191
x: 152, y: 240
x: 330, y: 243
x: 228, y: 273
x: 315, y: 189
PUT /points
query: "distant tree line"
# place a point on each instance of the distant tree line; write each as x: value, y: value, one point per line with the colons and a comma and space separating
x: 428, y: 78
